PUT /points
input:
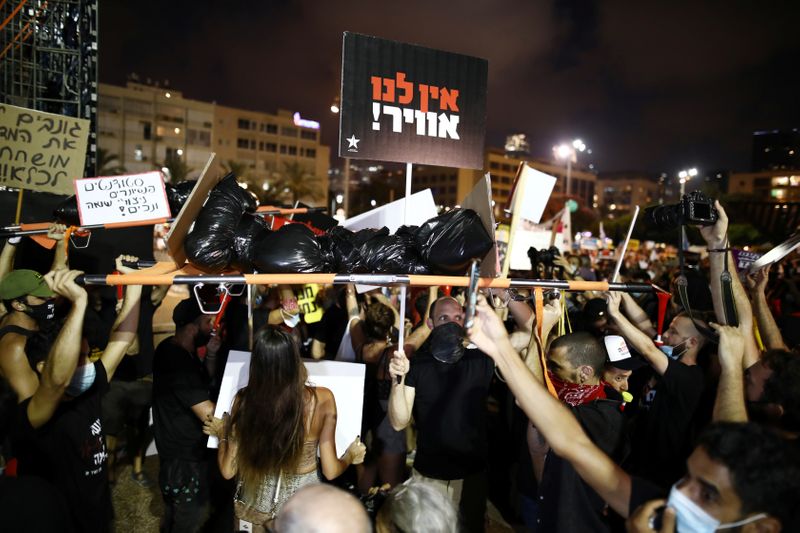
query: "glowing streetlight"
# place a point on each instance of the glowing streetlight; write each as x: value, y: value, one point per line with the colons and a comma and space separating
x: 339, y: 198
x: 373, y: 203
x: 684, y: 176
x: 569, y: 152
x: 334, y: 108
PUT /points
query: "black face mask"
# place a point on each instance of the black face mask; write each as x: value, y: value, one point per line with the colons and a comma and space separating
x: 201, y: 339
x: 42, y: 312
x: 446, y: 343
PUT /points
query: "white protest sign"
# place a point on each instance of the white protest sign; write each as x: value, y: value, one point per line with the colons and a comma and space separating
x: 41, y: 151
x: 345, y: 380
x: 122, y: 199
x: 536, y: 190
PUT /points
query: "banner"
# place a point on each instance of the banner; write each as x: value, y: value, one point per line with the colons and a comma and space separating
x: 41, y: 151
x: 120, y: 199
x: 410, y: 104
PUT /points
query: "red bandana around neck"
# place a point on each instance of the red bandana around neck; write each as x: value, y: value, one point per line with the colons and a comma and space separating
x: 575, y: 394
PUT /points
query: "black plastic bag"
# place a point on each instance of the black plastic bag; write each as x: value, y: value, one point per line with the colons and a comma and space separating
x: 292, y: 248
x: 250, y: 229
x: 392, y: 254
x: 67, y: 212
x: 210, y: 243
x: 177, y: 194
x: 448, y: 242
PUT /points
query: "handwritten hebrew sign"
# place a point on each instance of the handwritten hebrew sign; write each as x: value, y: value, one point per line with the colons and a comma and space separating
x: 406, y: 103
x: 122, y: 199
x: 41, y: 151
x: 307, y: 300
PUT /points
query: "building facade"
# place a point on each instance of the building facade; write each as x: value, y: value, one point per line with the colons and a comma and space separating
x: 779, y: 186
x: 619, y: 192
x: 145, y: 125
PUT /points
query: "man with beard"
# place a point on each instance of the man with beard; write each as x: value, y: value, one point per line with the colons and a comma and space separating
x: 446, y: 388
x: 181, y: 405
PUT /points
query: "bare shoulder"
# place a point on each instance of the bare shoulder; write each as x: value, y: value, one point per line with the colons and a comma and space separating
x: 325, y: 400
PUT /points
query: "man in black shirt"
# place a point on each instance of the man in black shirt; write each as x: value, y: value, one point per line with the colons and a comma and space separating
x: 739, y: 474
x: 448, y: 400
x: 181, y: 405
x: 61, y: 436
x: 663, y: 436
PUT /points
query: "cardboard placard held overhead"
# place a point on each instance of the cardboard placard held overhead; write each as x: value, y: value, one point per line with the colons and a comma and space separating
x: 410, y: 104
x: 184, y: 220
x: 532, y: 191
x: 419, y: 208
x: 480, y: 201
x: 41, y: 151
x: 119, y: 199
x: 345, y: 380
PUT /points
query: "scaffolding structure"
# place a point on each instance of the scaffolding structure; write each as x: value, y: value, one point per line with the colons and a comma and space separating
x: 48, y: 60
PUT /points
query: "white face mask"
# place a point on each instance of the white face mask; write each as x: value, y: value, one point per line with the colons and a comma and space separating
x: 290, y: 320
x: 691, y: 518
x: 670, y: 350
x: 82, y: 380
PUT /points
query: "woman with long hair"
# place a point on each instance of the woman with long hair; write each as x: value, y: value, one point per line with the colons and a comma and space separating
x: 276, y: 426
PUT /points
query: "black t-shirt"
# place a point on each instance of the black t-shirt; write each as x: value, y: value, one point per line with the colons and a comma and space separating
x: 642, y: 491
x: 450, y: 412
x: 32, y: 504
x: 567, y: 503
x: 179, y: 381
x: 330, y: 330
x: 70, y: 452
x: 662, y: 437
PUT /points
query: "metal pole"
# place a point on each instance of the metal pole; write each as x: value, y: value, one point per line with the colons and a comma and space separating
x: 346, y: 194
x: 402, y: 330
x: 569, y: 175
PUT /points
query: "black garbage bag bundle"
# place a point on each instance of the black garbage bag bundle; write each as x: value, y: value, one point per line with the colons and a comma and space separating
x: 67, y: 212
x: 393, y: 254
x: 177, y: 194
x: 210, y: 243
x: 448, y: 242
x: 292, y: 248
x: 250, y: 229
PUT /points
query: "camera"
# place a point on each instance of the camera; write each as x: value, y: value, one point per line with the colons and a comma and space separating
x: 542, y: 261
x: 694, y: 209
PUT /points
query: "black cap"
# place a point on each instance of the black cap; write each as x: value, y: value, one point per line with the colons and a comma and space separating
x: 595, y: 309
x: 186, y: 312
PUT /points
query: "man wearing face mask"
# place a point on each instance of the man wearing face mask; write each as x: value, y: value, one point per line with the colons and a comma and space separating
x: 31, y: 305
x: 61, y: 435
x: 663, y: 432
x: 739, y: 475
x: 446, y: 387
x: 181, y: 405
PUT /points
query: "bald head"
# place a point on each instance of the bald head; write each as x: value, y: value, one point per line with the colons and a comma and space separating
x: 322, y: 509
x: 444, y: 310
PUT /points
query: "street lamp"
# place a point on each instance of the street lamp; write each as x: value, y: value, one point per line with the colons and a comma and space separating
x: 684, y: 176
x: 570, y: 154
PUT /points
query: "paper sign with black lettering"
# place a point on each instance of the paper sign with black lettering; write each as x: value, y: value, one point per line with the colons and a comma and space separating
x: 41, y: 151
x: 122, y: 199
x: 406, y: 103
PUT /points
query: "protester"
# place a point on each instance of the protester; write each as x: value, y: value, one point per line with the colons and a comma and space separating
x: 181, y: 404
x: 738, y: 474
x: 446, y: 386
x: 322, y: 509
x: 417, y: 505
x: 276, y: 427
x: 61, y: 436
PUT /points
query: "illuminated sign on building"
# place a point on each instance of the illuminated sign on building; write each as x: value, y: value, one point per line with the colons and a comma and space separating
x: 304, y: 123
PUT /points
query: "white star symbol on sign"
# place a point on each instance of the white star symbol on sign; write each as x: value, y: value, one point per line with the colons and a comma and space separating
x: 353, y: 142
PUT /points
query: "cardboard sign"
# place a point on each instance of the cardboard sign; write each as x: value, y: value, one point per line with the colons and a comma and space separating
x: 114, y: 199
x: 776, y: 254
x: 480, y: 201
x: 41, y: 151
x: 307, y: 301
x: 345, y: 380
x: 420, y: 208
x: 411, y: 104
x: 532, y: 190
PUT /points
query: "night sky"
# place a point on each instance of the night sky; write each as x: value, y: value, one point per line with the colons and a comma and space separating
x: 654, y: 86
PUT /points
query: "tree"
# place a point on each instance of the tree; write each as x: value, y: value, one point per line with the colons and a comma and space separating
x: 297, y: 182
x: 176, y: 168
x: 265, y: 190
x: 108, y: 163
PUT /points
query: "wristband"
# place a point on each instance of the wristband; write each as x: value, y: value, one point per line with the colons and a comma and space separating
x: 718, y: 250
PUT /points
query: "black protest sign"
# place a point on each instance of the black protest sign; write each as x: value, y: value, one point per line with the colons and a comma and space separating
x: 41, y: 151
x: 410, y: 104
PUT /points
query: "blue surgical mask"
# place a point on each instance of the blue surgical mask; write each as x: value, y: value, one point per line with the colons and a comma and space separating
x: 691, y: 518
x: 670, y: 351
x: 82, y: 380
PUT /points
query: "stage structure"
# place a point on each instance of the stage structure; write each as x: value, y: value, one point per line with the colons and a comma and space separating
x: 48, y: 60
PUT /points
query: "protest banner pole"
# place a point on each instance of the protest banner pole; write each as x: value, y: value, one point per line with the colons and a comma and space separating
x: 401, y: 331
x: 519, y: 194
x: 19, y: 206
x: 621, y: 258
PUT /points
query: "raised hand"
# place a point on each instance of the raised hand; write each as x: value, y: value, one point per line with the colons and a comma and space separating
x: 716, y: 235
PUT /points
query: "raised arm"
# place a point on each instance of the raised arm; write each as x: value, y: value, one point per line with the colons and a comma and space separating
x: 63, y: 357
x: 558, y: 426
x: 419, y: 335
x: 767, y: 327
x: 124, y: 331
x: 401, y: 397
x: 57, y: 232
x: 7, y: 255
x: 635, y: 337
x: 729, y: 404
x: 716, y: 238
x: 637, y: 315
x: 532, y: 357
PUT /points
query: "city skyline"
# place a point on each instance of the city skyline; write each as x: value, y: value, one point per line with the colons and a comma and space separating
x: 654, y: 88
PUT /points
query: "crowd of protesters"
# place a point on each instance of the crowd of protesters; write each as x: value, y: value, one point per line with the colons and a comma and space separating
x: 599, y: 412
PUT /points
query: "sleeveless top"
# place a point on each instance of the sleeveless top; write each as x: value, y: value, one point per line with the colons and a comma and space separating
x: 275, y: 490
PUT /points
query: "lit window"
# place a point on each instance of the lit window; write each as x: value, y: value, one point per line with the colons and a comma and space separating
x: 138, y: 154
